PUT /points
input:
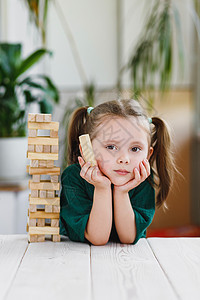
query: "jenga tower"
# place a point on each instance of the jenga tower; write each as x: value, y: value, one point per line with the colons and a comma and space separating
x: 44, y: 203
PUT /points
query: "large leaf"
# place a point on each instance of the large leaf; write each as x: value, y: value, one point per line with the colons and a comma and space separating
x: 43, y: 84
x: 30, y: 61
x: 45, y: 107
x: 10, y: 58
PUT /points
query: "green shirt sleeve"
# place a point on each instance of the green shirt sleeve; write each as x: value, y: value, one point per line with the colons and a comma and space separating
x: 76, y: 204
x: 143, y: 203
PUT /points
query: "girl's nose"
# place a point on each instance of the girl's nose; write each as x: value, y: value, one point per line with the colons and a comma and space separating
x: 123, y: 159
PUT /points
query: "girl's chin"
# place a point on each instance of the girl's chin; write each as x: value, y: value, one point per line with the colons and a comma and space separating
x: 119, y: 181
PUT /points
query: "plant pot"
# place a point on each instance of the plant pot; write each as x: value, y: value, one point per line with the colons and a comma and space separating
x: 13, y: 158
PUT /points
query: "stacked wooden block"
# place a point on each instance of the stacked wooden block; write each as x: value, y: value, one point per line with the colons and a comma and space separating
x: 44, y: 203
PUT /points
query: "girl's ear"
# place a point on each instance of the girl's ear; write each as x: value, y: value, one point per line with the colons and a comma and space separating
x: 150, y: 152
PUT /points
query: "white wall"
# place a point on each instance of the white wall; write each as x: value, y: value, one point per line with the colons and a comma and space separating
x: 93, y: 25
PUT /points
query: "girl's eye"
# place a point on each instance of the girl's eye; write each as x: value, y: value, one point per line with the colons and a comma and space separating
x: 136, y: 149
x: 111, y: 147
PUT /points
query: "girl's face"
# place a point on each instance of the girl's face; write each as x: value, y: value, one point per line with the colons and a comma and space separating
x: 120, y: 145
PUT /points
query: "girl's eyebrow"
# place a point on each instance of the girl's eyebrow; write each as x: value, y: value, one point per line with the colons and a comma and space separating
x: 132, y: 142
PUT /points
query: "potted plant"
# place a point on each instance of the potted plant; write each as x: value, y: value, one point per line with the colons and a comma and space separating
x: 17, y: 92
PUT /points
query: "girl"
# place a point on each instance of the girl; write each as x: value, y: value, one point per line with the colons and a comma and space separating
x: 115, y: 200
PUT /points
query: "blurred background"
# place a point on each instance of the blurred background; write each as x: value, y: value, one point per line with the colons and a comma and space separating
x: 56, y: 55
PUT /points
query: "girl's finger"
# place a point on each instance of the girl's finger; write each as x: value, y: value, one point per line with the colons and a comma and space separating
x: 81, y: 161
x: 94, y: 173
x: 85, y: 168
x: 137, y: 174
x: 147, y: 166
x: 143, y: 171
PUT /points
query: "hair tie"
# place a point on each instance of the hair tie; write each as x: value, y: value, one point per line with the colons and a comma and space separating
x: 150, y: 120
x: 89, y: 109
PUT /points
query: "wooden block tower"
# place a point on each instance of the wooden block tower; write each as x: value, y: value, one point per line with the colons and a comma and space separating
x: 44, y: 203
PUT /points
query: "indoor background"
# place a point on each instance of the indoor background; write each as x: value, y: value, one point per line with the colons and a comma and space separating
x: 92, y: 43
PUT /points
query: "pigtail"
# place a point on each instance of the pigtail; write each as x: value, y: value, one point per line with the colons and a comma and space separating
x: 77, y: 126
x: 163, y: 158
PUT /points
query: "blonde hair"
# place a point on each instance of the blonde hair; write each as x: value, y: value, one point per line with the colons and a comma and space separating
x: 161, y: 161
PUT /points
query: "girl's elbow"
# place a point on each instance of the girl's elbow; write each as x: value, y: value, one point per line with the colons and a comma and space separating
x: 128, y: 240
x: 99, y: 243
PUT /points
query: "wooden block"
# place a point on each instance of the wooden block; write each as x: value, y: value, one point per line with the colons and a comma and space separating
x: 44, y: 230
x: 47, y: 117
x: 50, y: 164
x: 43, y: 171
x: 34, y: 163
x: 55, y: 222
x: 32, y: 132
x: 50, y: 194
x: 32, y: 238
x: 31, y: 148
x: 53, y: 133
x: 56, y: 208
x: 32, y: 222
x: 39, y: 148
x: 31, y: 117
x: 39, y: 118
x: 41, y: 222
x: 36, y: 178
x: 32, y: 208
x: 48, y: 208
x: 43, y: 215
x: 42, y: 163
x: 43, y: 194
x: 44, y: 185
x: 43, y: 140
x: 45, y: 125
x: 54, y: 178
x: 56, y: 238
x: 87, y: 150
x: 44, y: 201
x: 46, y: 148
x: 34, y: 193
x: 54, y: 149
x: 43, y: 156
x: 41, y: 238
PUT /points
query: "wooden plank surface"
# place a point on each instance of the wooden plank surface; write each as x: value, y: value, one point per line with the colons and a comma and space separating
x: 12, y: 250
x: 53, y: 271
x: 157, y: 268
x: 128, y: 272
x: 180, y: 260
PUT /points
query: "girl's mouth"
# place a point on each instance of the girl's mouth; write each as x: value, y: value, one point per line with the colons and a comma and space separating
x: 121, y: 172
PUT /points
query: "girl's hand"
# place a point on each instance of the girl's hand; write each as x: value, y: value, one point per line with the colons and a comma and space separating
x: 140, y: 176
x: 93, y: 175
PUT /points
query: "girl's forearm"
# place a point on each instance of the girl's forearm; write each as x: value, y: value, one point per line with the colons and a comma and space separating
x: 100, y: 220
x: 124, y: 217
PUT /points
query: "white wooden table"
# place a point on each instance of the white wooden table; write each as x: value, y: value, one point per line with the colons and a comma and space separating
x: 154, y: 268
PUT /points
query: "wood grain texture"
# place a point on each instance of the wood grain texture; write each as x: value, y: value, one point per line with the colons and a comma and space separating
x: 44, y: 185
x: 12, y: 250
x: 43, y: 171
x: 43, y: 201
x: 53, y: 271
x: 42, y: 156
x: 48, y: 126
x: 41, y: 140
x: 127, y: 272
x: 180, y: 260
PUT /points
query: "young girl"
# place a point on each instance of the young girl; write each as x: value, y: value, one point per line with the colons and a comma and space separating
x: 115, y: 200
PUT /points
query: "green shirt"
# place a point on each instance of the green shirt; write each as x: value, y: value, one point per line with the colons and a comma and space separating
x: 76, y: 203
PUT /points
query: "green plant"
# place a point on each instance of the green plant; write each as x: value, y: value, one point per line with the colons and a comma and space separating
x: 38, y: 10
x: 151, y: 62
x: 18, y: 92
